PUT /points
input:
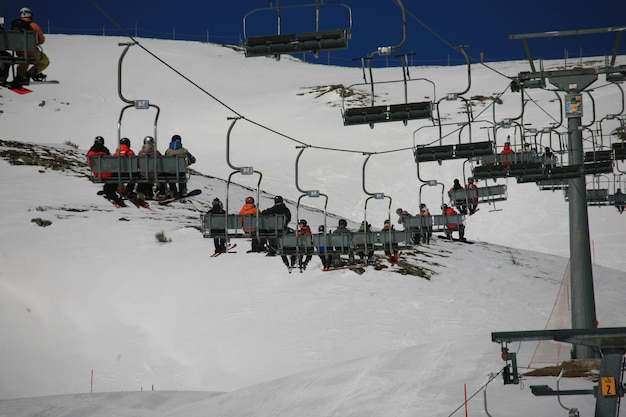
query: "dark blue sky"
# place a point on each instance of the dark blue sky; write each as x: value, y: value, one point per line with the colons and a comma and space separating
x: 484, y: 25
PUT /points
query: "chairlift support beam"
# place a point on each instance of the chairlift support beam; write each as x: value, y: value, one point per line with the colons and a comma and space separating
x: 611, y: 342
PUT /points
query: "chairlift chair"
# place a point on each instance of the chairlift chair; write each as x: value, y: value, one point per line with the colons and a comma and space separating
x: 279, y: 43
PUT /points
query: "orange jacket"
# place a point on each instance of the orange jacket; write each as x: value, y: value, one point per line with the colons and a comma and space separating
x: 247, y: 209
x: 41, y: 38
x: 304, y: 230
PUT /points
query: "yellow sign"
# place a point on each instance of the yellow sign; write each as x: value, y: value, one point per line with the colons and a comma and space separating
x: 608, y: 386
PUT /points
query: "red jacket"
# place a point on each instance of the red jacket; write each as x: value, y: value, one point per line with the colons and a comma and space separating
x: 448, y: 212
x: 123, y: 150
x: 102, y: 152
x: 506, y: 154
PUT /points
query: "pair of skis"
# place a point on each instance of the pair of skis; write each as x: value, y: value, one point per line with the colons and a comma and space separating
x: 229, y: 247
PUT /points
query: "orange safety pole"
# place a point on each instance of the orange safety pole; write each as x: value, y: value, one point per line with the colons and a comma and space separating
x: 465, y: 395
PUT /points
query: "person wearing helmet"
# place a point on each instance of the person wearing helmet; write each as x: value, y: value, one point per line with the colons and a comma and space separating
x: 24, y: 74
x: 342, y: 228
x: 426, y: 232
x: 321, y: 249
x: 402, y: 215
x: 365, y: 227
x: 506, y: 155
x: 109, y: 189
x: 125, y: 150
x: 146, y: 189
x: 279, y: 207
x: 391, y: 250
x: 472, y: 196
x: 176, y: 148
x: 304, y: 229
x: 457, y: 196
x: 247, y: 210
x: 453, y: 226
x: 219, y: 242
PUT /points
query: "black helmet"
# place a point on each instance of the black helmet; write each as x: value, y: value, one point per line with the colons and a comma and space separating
x: 249, y: 200
x: 216, y: 202
x: 399, y: 211
x: 302, y: 222
x: 148, y: 139
x: 444, y: 206
x: 176, y: 138
x: 343, y: 222
x: 320, y: 228
x: 125, y: 141
x: 278, y: 199
x: 99, y: 140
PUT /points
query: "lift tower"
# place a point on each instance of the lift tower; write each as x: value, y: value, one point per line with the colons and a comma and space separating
x: 573, y: 82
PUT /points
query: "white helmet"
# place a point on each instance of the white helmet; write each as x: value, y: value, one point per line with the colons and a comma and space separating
x: 26, y: 12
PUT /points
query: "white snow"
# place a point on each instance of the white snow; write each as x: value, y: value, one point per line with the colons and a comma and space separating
x: 167, y: 330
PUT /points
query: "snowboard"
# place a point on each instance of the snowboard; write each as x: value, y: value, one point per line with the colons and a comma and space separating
x: 43, y: 82
x: 172, y: 199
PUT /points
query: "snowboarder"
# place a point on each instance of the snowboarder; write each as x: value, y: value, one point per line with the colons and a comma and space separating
x: 24, y: 74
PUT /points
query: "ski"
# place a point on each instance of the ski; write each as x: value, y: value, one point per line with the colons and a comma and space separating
x: 117, y: 202
x: 172, y: 199
x: 139, y: 202
x: 228, y: 250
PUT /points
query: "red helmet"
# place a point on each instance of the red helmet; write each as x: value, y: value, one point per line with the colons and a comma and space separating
x: 249, y: 200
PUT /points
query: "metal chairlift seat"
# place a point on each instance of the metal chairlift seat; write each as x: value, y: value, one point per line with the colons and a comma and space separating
x: 486, y: 194
x: 238, y: 226
x: 162, y: 168
x: 387, y: 113
x: 294, y: 43
x: 619, y: 150
x: 18, y: 43
x: 458, y: 151
x: 595, y: 196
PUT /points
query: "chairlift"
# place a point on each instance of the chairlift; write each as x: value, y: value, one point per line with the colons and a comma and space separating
x: 227, y: 225
x: 379, y: 113
x: 122, y: 169
x: 462, y: 150
x: 318, y: 40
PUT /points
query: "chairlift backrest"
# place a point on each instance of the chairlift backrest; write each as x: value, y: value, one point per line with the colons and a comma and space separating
x: 315, y: 39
